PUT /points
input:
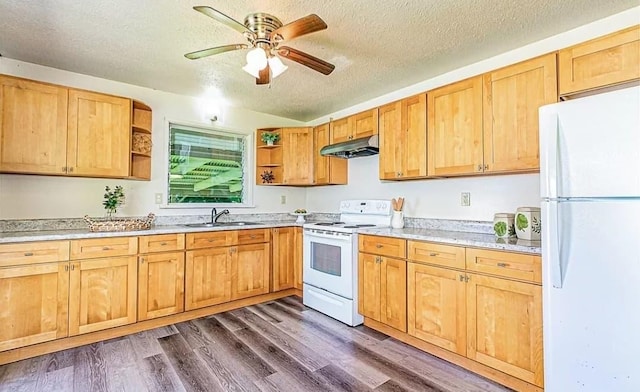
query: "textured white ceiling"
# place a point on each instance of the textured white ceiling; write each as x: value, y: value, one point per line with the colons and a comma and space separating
x: 377, y: 46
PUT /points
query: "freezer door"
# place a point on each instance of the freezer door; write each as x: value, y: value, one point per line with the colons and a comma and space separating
x: 591, y: 324
x: 590, y: 147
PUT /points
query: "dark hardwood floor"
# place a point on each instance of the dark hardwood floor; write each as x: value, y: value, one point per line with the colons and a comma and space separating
x: 277, y: 346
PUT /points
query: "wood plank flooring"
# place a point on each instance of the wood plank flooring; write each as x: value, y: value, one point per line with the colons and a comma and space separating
x: 277, y: 346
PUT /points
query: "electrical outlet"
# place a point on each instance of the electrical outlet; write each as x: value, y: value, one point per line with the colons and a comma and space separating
x: 158, y: 198
x: 465, y: 199
x: 283, y: 199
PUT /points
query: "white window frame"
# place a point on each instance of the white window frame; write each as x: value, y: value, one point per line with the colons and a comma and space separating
x: 248, y: 170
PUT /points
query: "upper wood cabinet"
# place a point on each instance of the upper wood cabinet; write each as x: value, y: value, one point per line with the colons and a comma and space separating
x: 512, y: 97
x: 98, y: 135
x: 327, y: 170
x: 297, y: 156
x: 54, y: 130
x: 601, y: 62
x: 454, y: 129
x: 33, y: 127
x: 354, y: 127
x: 403, y: 138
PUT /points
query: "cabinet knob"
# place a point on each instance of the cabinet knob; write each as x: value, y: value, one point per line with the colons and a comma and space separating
x: 66, y: 268
x: 28, y: 254
x: 479, y: 167
x: 486, y: 167
x: 106, y: 248
x: 71, y: 169
x: 163, y: 244
x: 73, y: 267
x: 142, y: 260
x: 378, y: 246
x: 461, y: 278
x: 64, y: 169
x: 433, y: 254
x: 503, y: 265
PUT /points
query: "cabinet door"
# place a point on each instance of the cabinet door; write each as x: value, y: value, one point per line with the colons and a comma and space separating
x: 283, y: 253
x: 436, y: 306
x: 340, y: 130
x: 601, y: 62
x: 392, y: 141
x: 327, y: 170
x: 393, y: 293
x: 297, y: 156
x: 297, y: 257
x: 102, y: 294
x: 33, y: 304
x: 98, y: 135
x: 160, y: 285
x: 251, y: 268
x: 369, y: 285
x: 512, y: 97
x: 504, y: 326
x: 455, y: 129
x: 33, y: 127
x: 364, y: 124
x: 207, y: 277
x: 414, y: 124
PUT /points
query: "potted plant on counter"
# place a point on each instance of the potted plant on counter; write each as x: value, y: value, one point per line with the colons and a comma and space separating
x: 269, y: 138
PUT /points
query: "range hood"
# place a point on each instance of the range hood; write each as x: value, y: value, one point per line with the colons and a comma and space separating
x: 353, y: 148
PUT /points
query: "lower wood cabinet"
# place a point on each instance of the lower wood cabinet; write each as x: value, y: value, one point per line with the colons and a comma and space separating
x: 504, y: 326
x: 298, y: 257
x: 382, y: 290
x: 283, y: 253
x: 160, y: 284
x: 250, y: 269
x: 102, y: 294
x: 34, y: 301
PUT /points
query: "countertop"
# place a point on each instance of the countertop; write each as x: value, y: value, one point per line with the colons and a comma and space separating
x: 459, y: 238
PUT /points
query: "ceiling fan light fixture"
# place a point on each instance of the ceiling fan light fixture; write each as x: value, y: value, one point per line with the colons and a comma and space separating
x: 257, y: 58
x: 251, y: 70
x: 276, y: 66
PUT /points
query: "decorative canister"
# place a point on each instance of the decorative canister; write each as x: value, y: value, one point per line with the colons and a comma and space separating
x: 503, y: 225
x: 528, y: 225
x: 397, y: 220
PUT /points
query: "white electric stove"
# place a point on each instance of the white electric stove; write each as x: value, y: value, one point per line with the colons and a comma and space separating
x: 330, y: 258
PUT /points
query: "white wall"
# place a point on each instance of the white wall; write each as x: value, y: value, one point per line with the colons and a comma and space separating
x: 441, y: 198
x: 31, y: 197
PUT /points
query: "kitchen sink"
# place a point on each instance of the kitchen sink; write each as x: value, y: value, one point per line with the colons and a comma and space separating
x: 222, y: 224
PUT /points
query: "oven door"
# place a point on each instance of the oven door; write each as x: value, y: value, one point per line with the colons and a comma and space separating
x: 328, y: 261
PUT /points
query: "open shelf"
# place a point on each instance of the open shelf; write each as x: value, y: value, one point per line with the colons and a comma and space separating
x: 141, y: 120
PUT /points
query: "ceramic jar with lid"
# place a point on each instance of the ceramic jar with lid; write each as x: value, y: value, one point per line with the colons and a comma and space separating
x: 528, y: 224
x: 503, y: 225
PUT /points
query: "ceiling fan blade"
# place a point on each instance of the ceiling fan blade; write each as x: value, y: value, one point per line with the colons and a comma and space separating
x: 265, y: 76
x: 217, y: 50
x: 222, y: 18
x: 302, y: 26
x: 307, y: 60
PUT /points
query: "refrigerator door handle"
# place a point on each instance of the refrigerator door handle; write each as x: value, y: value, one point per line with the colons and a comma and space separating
x: 551, y: 252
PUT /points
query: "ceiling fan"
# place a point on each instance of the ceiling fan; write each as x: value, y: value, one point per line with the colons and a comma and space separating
x: 265, y: 33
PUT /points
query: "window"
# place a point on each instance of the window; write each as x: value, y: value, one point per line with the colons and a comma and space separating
x: 207, y: 166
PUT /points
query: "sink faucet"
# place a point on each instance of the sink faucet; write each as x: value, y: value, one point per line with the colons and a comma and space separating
x: 215, y: 214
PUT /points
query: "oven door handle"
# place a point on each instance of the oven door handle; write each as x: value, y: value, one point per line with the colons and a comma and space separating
x: 337, y: 237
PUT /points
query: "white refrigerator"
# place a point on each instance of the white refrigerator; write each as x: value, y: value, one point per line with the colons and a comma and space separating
x: 590, y: 189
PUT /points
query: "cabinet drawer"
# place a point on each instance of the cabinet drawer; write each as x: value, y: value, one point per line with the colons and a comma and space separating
x: 254, y: 236
x: 103, y: 247
x: 33, y: 252
x: 510, y: 265
x: 208, y: 239
x: 160, y: 243
x: 384, y: 246
x: 444, y: 255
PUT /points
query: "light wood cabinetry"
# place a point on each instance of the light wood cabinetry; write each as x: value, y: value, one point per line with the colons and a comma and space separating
x: 327, y: 170
x: 403, y: 139
x: 382, y: 284
x: 283, y: 240
x: 355, y: 127
x: 512, y: 97
x: 34, y: 293
x: 298, y: 257
x: 454, y: 124
x: 226, y: 265
x: 601, y: 62
x: 297, y: 156
x: 102, y: 283
x: 95, y: 122
x: 160, y: 275
x: 269, y: 158
x: 141, y: 146
x: 54, y: 130
x: 33, y: 127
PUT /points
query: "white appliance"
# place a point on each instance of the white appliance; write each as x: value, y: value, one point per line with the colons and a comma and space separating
x: 590, y: 188
x: 330, y: 258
